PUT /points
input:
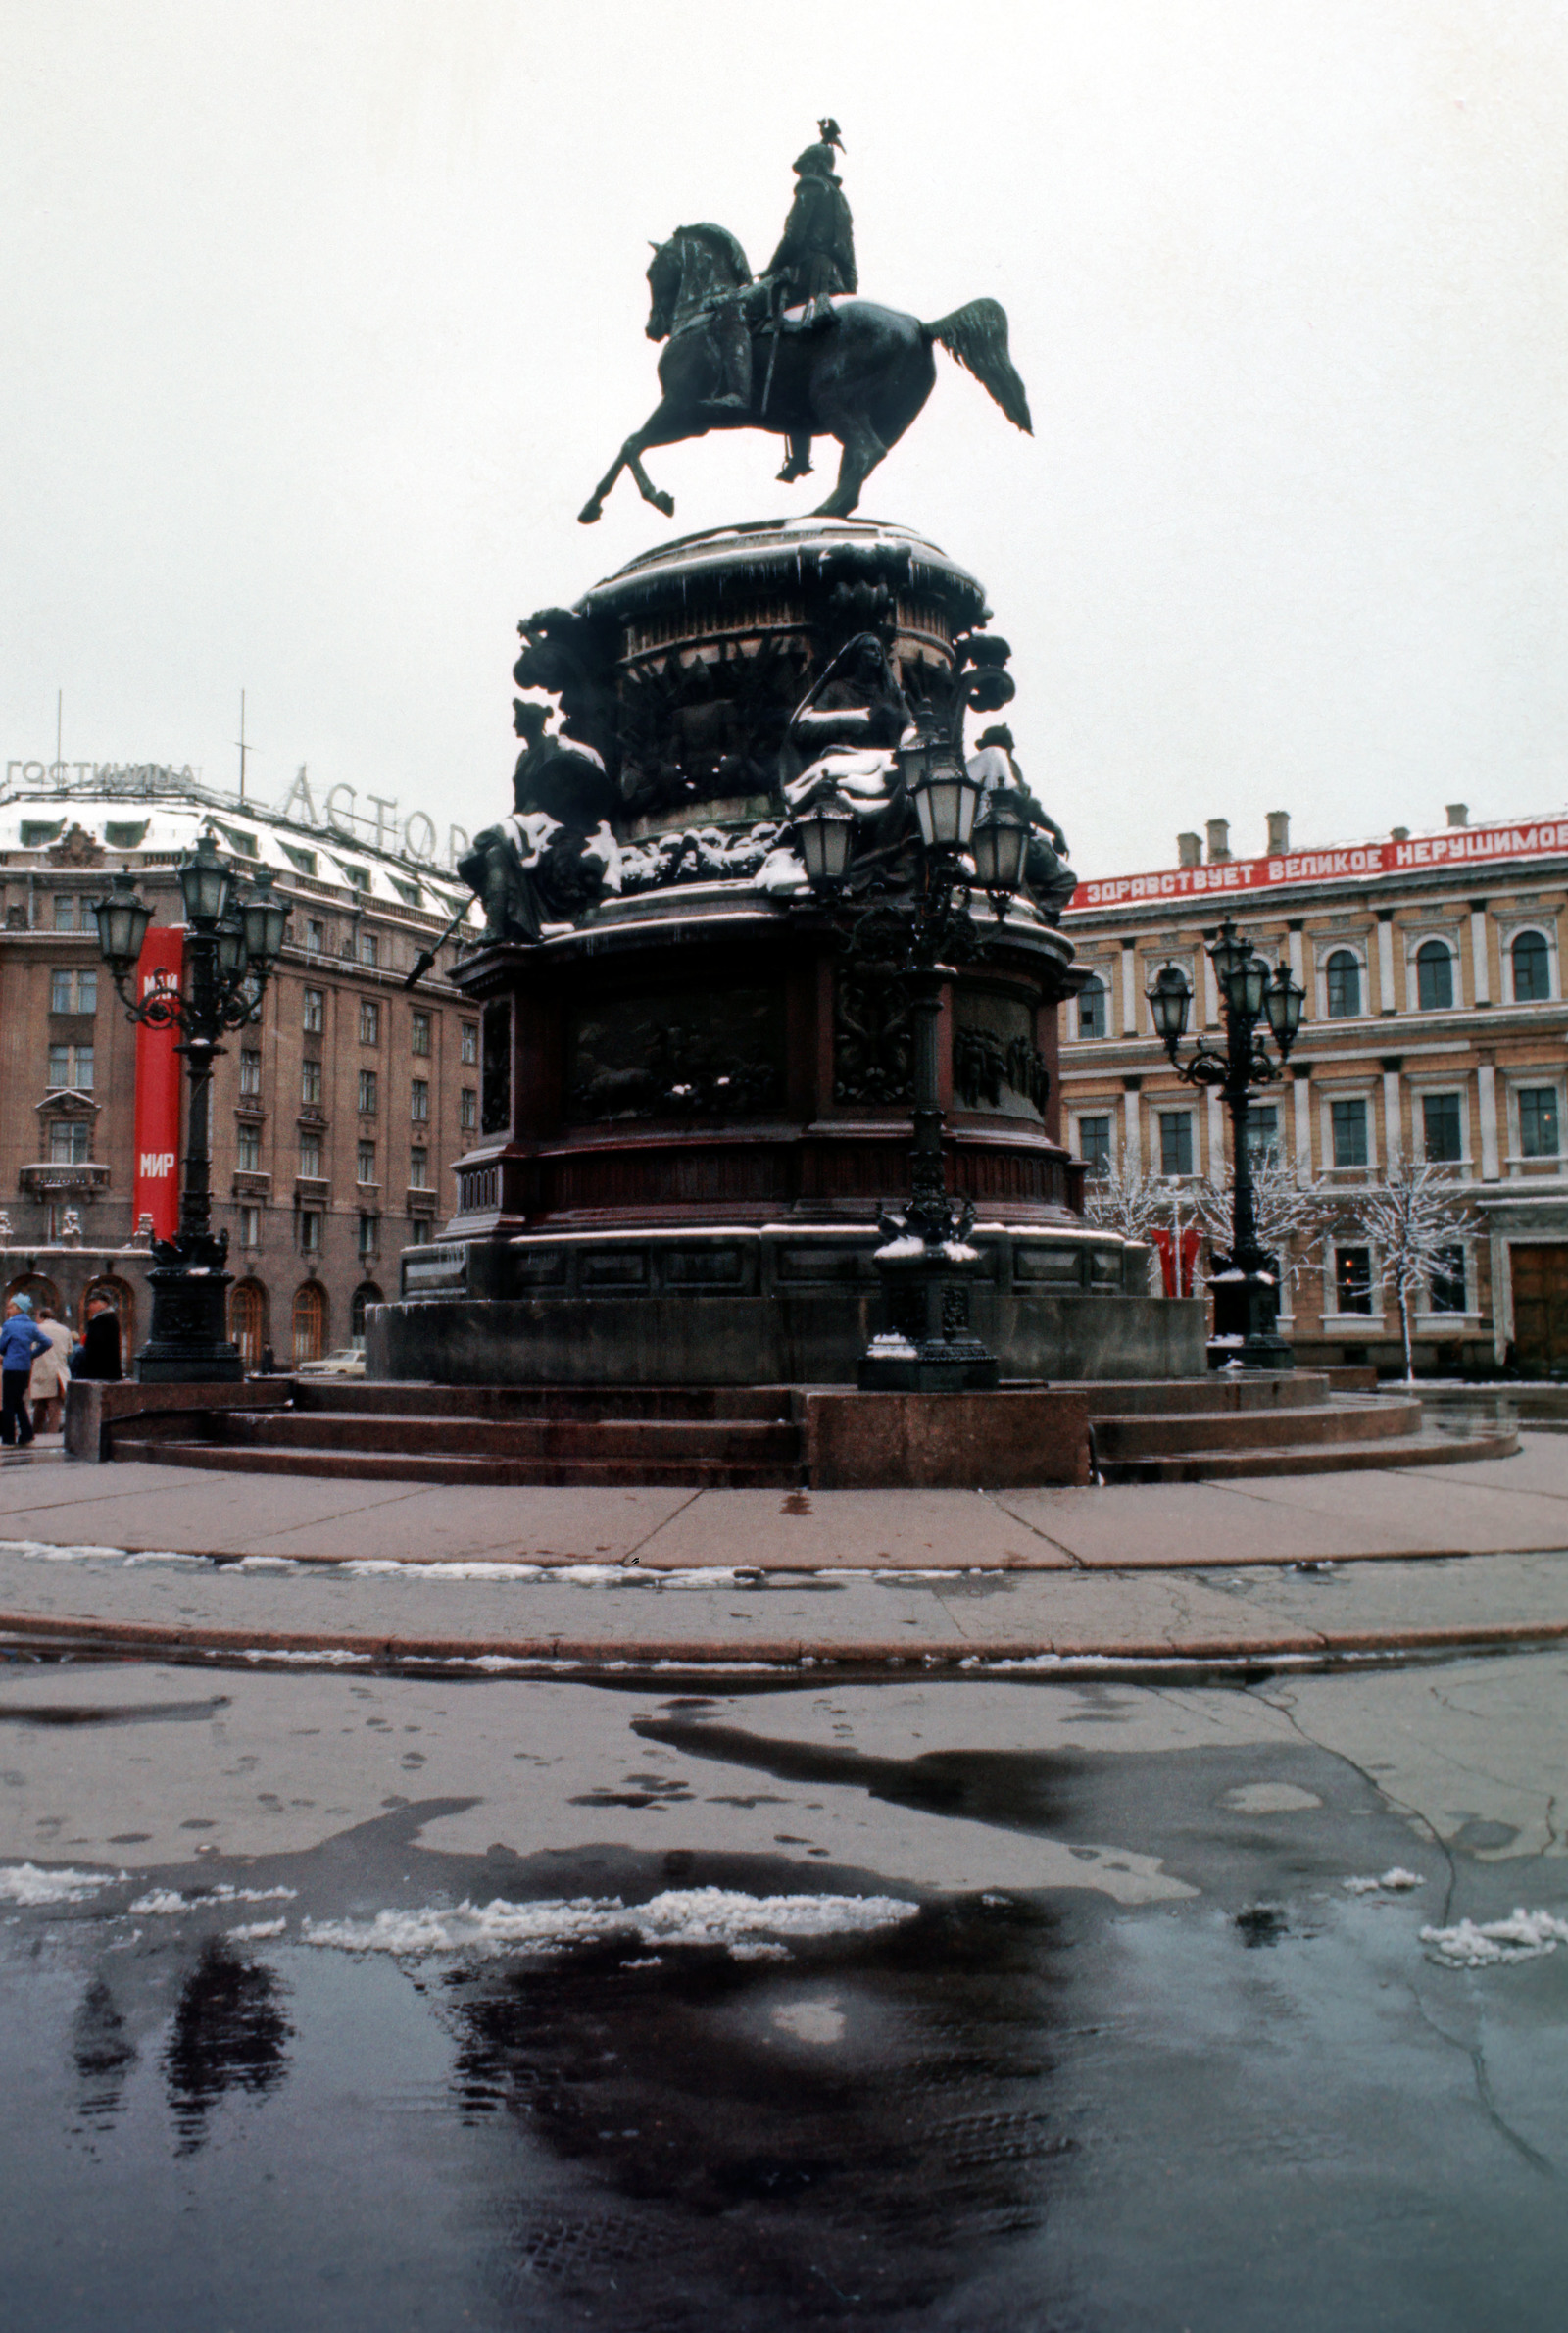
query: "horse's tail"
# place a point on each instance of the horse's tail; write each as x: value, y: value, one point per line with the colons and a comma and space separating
x: 977, y: 335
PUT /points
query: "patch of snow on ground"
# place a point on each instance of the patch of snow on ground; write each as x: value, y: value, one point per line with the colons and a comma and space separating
x: 1392, y: 1880
x: 746, y: 1925
x: 29, y: 1883
x: 324, y: 1660
x: 257, y: 1928
x: 1522, y: 1936
x: 169, y: 1900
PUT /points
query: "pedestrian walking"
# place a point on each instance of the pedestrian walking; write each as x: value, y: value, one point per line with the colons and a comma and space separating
x: 100, y: 1346
x: 51, y: 1374
x: 22, y: 1340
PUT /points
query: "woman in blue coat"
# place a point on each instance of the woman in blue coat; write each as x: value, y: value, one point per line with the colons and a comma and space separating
x: 22, y: 1341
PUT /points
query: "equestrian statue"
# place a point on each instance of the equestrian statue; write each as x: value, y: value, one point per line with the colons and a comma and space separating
x: 793, y: 352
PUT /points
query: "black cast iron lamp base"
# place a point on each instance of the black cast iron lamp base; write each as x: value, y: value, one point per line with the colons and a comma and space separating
x: 231, y: 944
x: 926, y: 1264
x: 1244, y: 1282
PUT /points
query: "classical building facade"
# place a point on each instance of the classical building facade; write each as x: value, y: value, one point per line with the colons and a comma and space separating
x: 1434, y: 1027
x: 336, y: 1118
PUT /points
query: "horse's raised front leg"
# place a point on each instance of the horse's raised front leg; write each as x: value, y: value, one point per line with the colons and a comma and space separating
x: 658, y: 431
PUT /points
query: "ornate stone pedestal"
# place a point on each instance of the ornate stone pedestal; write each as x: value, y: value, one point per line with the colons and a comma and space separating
x: 694, y: 1100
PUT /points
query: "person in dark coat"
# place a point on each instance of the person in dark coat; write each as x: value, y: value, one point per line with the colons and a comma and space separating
x: 22, y: 1341
x: 100, y: 1346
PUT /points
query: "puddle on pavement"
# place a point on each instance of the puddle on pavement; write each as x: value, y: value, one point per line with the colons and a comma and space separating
x: 1249, y: 2107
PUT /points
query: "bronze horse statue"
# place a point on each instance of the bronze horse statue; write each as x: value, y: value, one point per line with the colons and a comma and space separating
x: 860, y: 379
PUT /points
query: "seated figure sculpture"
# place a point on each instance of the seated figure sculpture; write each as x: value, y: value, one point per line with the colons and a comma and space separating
x: 1051, y: 881
x: 555, y: 856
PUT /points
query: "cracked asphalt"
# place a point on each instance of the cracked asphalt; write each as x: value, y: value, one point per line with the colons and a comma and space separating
x: 454, y: 2001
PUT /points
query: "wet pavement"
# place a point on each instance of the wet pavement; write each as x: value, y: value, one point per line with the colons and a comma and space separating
x: 342, y: 2000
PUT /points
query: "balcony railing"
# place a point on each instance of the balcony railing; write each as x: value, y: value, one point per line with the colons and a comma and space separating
x: 45, y: 1175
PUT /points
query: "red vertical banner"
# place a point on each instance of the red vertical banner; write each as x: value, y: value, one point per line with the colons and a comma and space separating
x: 1178, y: 1273
x: 157, y: 1184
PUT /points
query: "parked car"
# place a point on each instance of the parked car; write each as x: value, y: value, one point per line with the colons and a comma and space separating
x: 349, y: 1362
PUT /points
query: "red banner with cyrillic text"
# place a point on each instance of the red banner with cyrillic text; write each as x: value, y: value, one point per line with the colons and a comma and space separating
x: 157, y: 1181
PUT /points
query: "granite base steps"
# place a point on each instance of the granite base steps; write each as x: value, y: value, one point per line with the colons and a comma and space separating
x: 770, y: 1437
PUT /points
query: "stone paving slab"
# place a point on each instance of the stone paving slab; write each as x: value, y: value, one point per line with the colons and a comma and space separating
x: 584, y: 1615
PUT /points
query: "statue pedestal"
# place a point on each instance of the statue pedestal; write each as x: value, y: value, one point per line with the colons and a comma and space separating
x: 694, y: 1102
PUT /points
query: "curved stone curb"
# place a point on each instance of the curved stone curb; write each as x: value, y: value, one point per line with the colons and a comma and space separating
x: 258, y: 1646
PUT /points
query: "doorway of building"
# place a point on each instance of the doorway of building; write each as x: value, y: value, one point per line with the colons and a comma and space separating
x: 1541, y: 1305
x: 310, y: 1321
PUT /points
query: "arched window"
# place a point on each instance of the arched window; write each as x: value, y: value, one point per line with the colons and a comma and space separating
x: 1531, y: 968
x: 366, y: 1293
x: 1343, y: 986
x: 248, y: 1315
x: 1093, y: 1018
x: 310, y: 1321
x: 41, y: 1291
x: 1433, y: 977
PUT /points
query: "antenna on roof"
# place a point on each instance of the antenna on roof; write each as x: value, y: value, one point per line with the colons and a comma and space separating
x: 244, y: 749
x: 59, y: 772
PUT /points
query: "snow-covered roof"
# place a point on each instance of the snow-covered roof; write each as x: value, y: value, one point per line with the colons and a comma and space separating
x: 161, y: 825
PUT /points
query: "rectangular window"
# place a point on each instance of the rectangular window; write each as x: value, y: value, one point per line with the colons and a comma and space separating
x: 1348, y: 1123
x: 1091, y: 1010
x: 1094, y: 1144
x: 60, y: 992
x: 310, y: 1231
x: 311, y: 1156
x: 468, y: 1110
x: 59, y: 1066
x: 248, y: 1149
x: 1353, y: 1279
x: 314, y: 1011
x: 419, y: 1100
x: 1262, y: 1132
x: 310, y: 1082
x: 420, y: 1232
x: 419, y: 1169
x: 316, y: 936
x: 419, y: 1033
x: 369, y: 1022
x: 84, y: 1068
x: 1440, y: 1130
x: 367, y: 1093
x: 369, y: 948
x: 65, y: 911
x: 1538, y: 1122
x: 470, y: 1041
x: 1175, y: 1142
x: 366, y: 1163
x: 1448, y: 1280
x: 68, y: 1143
x: 250, y: 1226
x: 369, y: 1234
x: 250, y: 1070
x: 86, y: 992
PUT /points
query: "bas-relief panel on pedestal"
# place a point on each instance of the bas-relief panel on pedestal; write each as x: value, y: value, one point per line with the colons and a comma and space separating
x: 676, y: 1053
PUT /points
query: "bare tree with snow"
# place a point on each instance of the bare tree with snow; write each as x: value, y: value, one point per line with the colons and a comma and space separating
x: 1411, y: 1219
x: 1126, y: 1200
x: 1290, y: 1210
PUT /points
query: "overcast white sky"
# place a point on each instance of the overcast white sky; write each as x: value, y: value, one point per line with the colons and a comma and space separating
x: 321, y: 317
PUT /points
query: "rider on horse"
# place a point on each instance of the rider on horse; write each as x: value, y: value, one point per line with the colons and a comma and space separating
x: 815, y: 257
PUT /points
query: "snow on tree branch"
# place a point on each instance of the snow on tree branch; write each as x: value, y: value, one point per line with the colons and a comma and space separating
x: 1412, y: 1218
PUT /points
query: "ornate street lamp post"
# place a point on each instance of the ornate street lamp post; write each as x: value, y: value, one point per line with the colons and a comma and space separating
x: 925, y: 1264
x: 231, y: 943
x: 1246, y: 1297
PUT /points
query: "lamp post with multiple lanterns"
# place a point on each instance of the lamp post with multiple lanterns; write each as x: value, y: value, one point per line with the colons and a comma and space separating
x: 925, y: 1264
x: 233, y: 941
x: 1245, y: 1285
